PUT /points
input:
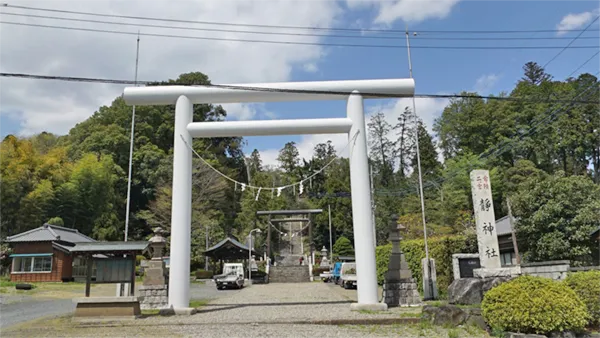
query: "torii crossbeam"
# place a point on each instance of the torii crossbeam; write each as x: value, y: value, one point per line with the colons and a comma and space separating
x: 184, y: 97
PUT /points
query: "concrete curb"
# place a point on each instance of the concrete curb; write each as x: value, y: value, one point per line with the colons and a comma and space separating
x: 341, y: 321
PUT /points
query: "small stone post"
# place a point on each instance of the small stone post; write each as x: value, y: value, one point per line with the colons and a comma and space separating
x: 399, y: 287
x: 154, y: 291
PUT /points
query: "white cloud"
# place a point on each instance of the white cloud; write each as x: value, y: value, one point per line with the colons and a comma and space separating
x: 57, y: 106
x: 410, y: 11
x: 427, y: 109
x: 310, y: 68
x: 485, y: 83
x: 246, y: 111
x: 575, y: 21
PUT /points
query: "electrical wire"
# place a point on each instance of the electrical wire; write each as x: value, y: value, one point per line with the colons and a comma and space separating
x: 570, y: 43
x: 583, y: 64
x: 368, y: 37
x: 204, y: 29
x: 289, y: 42
x: 359, y: 30
x: 300, y: 91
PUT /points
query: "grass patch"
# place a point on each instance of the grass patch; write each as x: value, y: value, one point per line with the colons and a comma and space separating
x: 196, y: 303
x: 151, y: 312
x: 453, y: 333
x: 198, y: 282
x: 411, y: 315
x: 5, y: 282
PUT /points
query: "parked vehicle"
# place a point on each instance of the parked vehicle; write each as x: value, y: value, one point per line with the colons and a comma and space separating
x: 326, y: 276
x: 335, y: 276
x: 348, y: 276
x: 232, y: 276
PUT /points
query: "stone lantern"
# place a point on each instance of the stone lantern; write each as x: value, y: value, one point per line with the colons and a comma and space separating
x: 155, y: 289
x: 400, y: 288
x: 324, y: 260
x: 157, y: 244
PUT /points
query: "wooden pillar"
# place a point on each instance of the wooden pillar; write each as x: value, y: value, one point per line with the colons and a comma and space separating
x: 269, y: 239
x: 132, y: 285
x: 88, y: 274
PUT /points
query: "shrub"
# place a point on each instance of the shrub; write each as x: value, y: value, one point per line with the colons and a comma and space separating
x: 531, y: 304
x: 203, y: 274
x: 343, y: 247
x: 586, y: 285
x: 440, y: 248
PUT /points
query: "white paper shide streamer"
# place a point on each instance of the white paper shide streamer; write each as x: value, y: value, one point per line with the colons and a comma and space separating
x: 278, y: 189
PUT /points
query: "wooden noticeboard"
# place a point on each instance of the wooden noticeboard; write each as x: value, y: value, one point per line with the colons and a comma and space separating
x: 114, y: 270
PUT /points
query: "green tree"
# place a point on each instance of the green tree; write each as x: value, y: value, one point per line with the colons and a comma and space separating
x: 534, y: 73
x: 56, y: 221
x: 381, y: 149
x: 289, y: 158
x: 430, y: 165
x: 556, y: 217
x: 343, y: 247
x: 405, y: 130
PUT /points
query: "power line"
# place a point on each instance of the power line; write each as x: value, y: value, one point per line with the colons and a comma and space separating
x: 287, y: 42
x: 368, y: 37
x: 570, y: 43
x: 583, y: 64
x: 324, y: 92
x: 283, y: 26
x: 204, y: 29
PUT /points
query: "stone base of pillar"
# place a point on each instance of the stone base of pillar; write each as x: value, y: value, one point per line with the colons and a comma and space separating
x: 154, y: 297
x: 403, y: 293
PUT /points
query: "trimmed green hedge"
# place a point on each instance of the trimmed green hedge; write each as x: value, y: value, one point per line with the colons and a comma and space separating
x: 203, y: 274
x: 586, y: 285
x: 530, y: 304
x: 440, y: 248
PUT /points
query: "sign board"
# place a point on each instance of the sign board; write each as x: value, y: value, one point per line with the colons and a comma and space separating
x: 467, y: 265
x: 114, y: 270
x: 487, y: 238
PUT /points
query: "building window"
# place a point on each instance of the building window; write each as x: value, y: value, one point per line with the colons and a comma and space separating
x: 32, y: 264
x: 506, y: 259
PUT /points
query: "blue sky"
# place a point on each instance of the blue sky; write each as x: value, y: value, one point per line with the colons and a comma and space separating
x: 435, y: 70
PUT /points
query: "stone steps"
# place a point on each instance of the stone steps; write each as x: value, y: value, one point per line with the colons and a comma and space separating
x: 289, y: 274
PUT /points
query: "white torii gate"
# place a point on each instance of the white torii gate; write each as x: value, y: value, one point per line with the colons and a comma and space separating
x: 184, y: 97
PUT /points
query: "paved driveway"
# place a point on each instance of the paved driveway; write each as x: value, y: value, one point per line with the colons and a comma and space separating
x: 31, y: 308
x: 15, y: 309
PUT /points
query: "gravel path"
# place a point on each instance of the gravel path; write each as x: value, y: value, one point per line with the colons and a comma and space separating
x: 30, y: 309
x: 272, y: 310
x: 281, y: 303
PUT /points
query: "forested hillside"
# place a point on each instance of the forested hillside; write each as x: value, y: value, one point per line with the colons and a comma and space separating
x: 544, y: 156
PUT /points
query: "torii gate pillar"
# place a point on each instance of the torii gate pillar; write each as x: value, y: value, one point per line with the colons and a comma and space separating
x: 185, y: 96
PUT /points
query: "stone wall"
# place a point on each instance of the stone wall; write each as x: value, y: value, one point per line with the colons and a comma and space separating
x: 556, y: 270
x: 154, y: 297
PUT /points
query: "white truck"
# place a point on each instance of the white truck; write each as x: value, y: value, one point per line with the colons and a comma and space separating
x: 348, y: 276
x: 232, y: 276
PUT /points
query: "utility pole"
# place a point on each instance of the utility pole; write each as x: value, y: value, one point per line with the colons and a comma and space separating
x: 373, y: 206
x: 122, y: 287
x: 414, y: 104
x: 137, y: 54
x: 206, y: 257
x: 512, y: 231
x: 330, y: 237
